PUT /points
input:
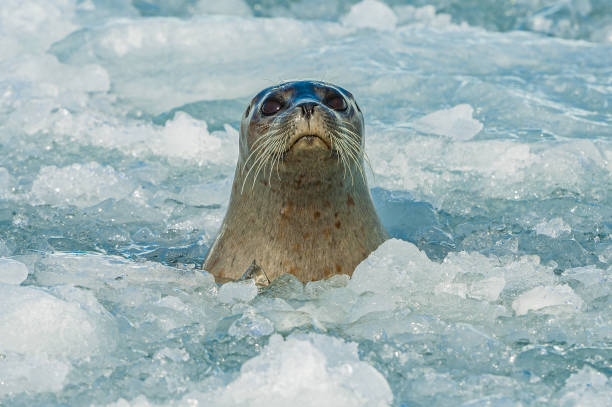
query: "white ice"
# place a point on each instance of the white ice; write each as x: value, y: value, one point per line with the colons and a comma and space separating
x: 305, y: 370
x: 553, y: 228
x: 80, y: 184
x: 456, y: 122
x: 240, y: 291
x: 371, y: 14
x: 587, y: 387
x: 119, y: 136
x: 561, y: 296
x: 12, y: 271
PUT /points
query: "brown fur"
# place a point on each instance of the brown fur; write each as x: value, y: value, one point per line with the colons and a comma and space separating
x: 307, y: 217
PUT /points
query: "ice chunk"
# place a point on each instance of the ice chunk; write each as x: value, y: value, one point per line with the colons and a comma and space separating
x: 173, y: 354
x: 12, y: 271
x: 140, y: 401
x: 302, y: 370
x: 216, y: 48
x: 6, y: 182
x: 34, y: 372
x: 314, y: 289
x: 4, y: 249
x: 239, y: 291
x: 547, y: 296
x: 34, y: 321
x: 251, y: 324
x: 553, y: 228
x: 182, y: 139
x: 31, y: 25
x: 214, y: 193
x: 456, y: 122
x: 227, y: 7
x: 389, y: 268
x: 421, y: 15
x: 587, y: 387
x: 80, y: 184
x: 488, y: 288
x: 603, y: 34
x: 97, y: 271
x: 185, y: 137
x: 371, y: 14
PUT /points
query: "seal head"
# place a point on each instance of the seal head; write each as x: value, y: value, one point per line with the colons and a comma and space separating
x: 300, y: 202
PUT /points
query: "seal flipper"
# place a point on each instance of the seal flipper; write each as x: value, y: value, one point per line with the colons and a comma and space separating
x: 257, y: 274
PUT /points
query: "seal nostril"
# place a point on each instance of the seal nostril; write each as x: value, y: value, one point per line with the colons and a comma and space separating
x: 308, y: 109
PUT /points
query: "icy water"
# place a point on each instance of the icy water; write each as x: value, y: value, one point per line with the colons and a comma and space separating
x: 489, y: 129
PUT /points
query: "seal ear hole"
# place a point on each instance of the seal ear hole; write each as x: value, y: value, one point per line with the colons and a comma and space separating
x: 248, y: 109
x: 336, y: 102
x: 357, y: 106
x: 271, y: 106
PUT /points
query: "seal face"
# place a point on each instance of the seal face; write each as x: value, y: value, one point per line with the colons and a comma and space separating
x: 300, y: 203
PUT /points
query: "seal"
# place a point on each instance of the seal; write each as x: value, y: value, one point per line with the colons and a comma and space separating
x: 300, y: 202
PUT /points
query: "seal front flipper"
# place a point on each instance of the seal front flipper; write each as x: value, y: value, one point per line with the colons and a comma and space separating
x: 257, y: 274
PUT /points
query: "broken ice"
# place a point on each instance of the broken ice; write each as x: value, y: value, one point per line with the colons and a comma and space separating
x: 487, y: 128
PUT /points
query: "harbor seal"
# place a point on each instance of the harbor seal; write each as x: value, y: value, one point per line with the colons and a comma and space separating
x: 300, y: 202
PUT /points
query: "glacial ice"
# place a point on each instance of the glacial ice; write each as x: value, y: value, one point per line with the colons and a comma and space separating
x: 35, y: 321
x: 310, y: 370
x: 587, y: 387
x: 12, y: 272
x: 80, y: 184
x: 371, y: 14
x: 456, y: 122
x: 488, y: 129
x: 240, y: 291
x: 542, y: 297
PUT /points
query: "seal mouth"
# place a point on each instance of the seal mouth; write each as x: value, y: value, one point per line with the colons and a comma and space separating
x: 309, y: 140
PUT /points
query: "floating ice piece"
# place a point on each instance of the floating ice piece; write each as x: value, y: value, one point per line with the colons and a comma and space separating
x: 80, y: 184
x: 239, y: 291
x: 487, y: 289
x: 391, y: 266
x: 251, y: 324
x: 34, y: 321
x: 185, y: 137
x: 5, y: 182
x: 30, y: 25
x: 213, y: 193
x: 547, y: 296
x: 553, y: 228
x: 421, y: 15
x: 456, y: 122
x: 31, y: 373
x: 227, y: 7
x: 303, y: 370
x: 140, y: 401
x: 173, y: 354
x: 371, y: 14
x: 95, y: 271
x: 12, y: 271
x: 587, y: 387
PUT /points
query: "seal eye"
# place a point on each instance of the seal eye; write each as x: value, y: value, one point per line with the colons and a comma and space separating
x: 270, y: 107
x: 336, y: 103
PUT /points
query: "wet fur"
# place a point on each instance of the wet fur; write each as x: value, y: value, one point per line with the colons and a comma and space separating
x: 303, y: 210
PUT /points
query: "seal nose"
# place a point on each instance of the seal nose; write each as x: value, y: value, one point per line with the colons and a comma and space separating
x: 308, y: 109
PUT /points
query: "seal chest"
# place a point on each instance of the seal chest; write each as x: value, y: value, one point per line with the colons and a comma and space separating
x: 300, y: 203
